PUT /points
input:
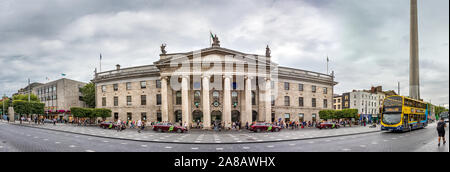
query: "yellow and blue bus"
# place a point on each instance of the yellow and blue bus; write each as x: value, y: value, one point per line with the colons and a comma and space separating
x: 403, y: 114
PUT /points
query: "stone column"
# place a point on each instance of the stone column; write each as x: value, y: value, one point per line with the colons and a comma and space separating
x: 227, y: 101
x: 268, y: 103
x: 185, y: 100
x: 248, y: 101
x: 164, y: 97
x: 206, y: 103
x: 11, y: 114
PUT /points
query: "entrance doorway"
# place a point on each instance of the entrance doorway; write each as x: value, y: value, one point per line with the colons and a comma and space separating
x: 254, y: 116
x: 178, y: 116
x: 216, y: 116
x: 235, y: 116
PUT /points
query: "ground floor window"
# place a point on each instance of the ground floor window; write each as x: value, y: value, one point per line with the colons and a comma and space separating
x: 158, y: 116
x: 301, y: 117
x: 144, y: 116
x: 314, y: 117
x: 116, y: 116
x: 287, y: 117
x: 129, y: 116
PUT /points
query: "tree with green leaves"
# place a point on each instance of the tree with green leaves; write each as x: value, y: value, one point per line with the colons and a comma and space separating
x: 88, y: 92
x: 24, y: 97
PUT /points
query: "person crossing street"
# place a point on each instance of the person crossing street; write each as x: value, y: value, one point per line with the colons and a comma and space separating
x: 441, y: 131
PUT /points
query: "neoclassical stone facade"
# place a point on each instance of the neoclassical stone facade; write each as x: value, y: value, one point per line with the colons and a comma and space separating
x: 214, y: 84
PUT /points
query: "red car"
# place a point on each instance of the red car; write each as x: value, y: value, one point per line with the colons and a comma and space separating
x: 328, y: 125
x: 258, y: 127
x: 107, y: 124
x: 162, y: 127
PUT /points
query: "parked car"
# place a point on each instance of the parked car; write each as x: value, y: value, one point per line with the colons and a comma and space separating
x: 327, y: 125
x: 48, y: 121
x: 258, y: 127
x: 106, y: 124
x: 169, y: 127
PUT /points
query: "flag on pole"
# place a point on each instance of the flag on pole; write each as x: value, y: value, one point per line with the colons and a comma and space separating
x: 212, y: 35
x: 100, y: 56
x: 63, y: 74
x: 328, y: 60
x: 48, y: 79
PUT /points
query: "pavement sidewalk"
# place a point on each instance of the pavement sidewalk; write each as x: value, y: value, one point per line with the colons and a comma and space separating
x: 205, y: 137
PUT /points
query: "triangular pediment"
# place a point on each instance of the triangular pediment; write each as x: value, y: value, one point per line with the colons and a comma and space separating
x: 214, y: 54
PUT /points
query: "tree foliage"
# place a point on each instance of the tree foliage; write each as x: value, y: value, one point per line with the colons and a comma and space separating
x: 88, y: 92
x: 24, y: 97
x: 24, y: 107
x: 338, y: 114
x: 90, y: 112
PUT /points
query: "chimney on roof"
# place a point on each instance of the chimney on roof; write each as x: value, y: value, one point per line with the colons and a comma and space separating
x: 118, y: 67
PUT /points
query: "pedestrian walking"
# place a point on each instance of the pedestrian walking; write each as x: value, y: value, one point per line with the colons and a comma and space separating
x: 139, y: 126
x: 441, y: 131
x: 119, y: 125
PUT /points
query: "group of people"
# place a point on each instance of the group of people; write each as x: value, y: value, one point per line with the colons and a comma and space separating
x: 121, y: 125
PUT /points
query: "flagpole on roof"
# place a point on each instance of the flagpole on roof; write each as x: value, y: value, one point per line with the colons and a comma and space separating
x: 100, y: 62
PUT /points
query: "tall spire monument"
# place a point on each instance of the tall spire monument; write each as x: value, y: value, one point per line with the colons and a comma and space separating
x: 414, y: 85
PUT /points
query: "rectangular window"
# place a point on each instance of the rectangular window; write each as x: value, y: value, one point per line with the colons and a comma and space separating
x: 287, y: 117
x: 300, y: 87
x: 272, y: 100
x: 104, y: 101
x: 144, y: 116
x: 158, y: 116
x: 286, y: 86
x: 313, y: 102
x: 143, y: 100
x: 325, y: 90
x: 272, y: 84
x: 143, y: 84
x: 314, y: 88
x: 129, y: 116
x: 158, y: 99
x: 158, y: 83
x: 116, y: 101
x: 300, y: 102
x: 128, y: 85
x: 116, y: 87
x: 128, y: 100
x: 287, y: 101
x: 103, y: 88
x: 325, y: 103
x: 116, y: 116
x: 301, y: 117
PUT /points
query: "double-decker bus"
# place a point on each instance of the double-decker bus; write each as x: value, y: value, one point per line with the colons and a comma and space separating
x: 403, y: 114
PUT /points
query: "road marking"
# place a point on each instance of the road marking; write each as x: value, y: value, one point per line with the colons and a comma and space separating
x: 168, y: 147
x: 363, y: 146
x: 144, y: 146
x: 57, y: 142
x: 385, y: 140
x: 90, y: 151
x: 194, y: 148
x: 311, y: 142
x: 270, y: 146
x: 246, y: 148
x: 72, y: 146
x: 105, y: 141
x: 219, y: 148
x: 291, y: 144
x: 346, y: 149
x: 124, y: 143
x: 394, y: 138
x: 374, y: 143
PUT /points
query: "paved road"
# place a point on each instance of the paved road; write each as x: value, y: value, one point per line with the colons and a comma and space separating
x: 18, y: 139
x: 199, y: 136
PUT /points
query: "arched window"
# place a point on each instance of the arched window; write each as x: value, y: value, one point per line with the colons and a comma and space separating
x: 234, y: 98
x: 197, y: 96
x: 178, y: 98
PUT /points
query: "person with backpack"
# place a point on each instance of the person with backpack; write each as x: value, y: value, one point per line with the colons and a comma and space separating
x: 441, y: 131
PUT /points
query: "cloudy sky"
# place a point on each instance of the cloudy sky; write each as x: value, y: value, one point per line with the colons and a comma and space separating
x: 367, y: 40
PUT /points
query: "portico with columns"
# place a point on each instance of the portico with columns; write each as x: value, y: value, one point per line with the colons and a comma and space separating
x: 223, y: 77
